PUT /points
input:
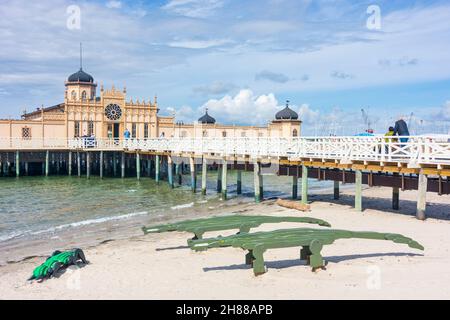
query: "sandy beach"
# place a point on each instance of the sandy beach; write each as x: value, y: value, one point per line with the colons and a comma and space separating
x: 159, y: 266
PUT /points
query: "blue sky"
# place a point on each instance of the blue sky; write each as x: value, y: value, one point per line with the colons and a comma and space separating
x: 241, y: 59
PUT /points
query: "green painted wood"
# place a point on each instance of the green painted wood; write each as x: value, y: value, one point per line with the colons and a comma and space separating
x: 170, y: 171
x: 47, y: 162
x: 304, y: 184
x: 17, y: 163
x: 204, y: 175
x: 310, y: 240
x: 358, y: 190
x: 138, y: 166
x: 224, y: 179
x: 157, y: 168
x: 218, y: 223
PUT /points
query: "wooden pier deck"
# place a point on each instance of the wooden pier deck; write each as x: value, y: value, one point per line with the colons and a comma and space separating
x: 421, y: 163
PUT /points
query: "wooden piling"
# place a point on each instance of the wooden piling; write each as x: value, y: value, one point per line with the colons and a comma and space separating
x: 79, y: 164
x: 204, y: 175
x: 17, y: 164
x: 69, y: 166
x: 47, y: 162
x: 294, y: 187
x: 138, y: 166
x: 170, y: 171
x: 157, y: 168
x: 336, y: 190
x: 358, y: 190
x: 193, y: 174
x: 178, y: 173
x: 422, y: 197
x: 114, y: 165
x: 101, y: 164
x: 224, y: 178
x: 239, y: 182
x: 257, y: 181
x: 122, y: 165
x: 88, y: 165
x: 304, y: 184
x: 219, y: 178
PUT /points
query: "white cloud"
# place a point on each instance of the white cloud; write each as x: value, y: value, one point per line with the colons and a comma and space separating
x: 446, y: 110
x: 308, y: 115
x: 198, y: 44
x: 193, y: 8
x: 244, y: 107
x: 113, y: 4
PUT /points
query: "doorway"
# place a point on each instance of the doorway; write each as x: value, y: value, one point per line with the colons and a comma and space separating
x: 116, y: 131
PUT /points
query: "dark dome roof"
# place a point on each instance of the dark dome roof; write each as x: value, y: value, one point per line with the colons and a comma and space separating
x: 207, y: 119
x: 81, y: 76
x: 286, y: 114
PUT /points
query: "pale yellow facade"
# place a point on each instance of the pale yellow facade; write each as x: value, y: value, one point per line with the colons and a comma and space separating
x: 108, y: 115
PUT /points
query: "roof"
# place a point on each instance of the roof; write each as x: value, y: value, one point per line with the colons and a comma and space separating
x: 207, y: 119
x: 81, y: 76
x: 286, y: 114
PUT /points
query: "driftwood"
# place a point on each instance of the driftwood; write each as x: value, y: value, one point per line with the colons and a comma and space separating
x: 293, y: 205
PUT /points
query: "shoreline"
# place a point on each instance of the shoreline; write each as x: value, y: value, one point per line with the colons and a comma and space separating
x: 148, y: 267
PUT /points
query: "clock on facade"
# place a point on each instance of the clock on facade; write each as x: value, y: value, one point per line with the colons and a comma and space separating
x: 113, y: 112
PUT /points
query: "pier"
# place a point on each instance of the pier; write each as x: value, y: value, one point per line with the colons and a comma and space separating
x: 422, y: 163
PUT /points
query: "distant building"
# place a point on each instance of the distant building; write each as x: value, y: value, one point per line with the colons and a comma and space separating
x: 83, y: 113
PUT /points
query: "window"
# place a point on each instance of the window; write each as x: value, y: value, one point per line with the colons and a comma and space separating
x: 243, y: 134
x: 224, y: 134
x: 90, y: 128
x: 74, y: 95
x: 145, y: 130
x: 295, y: 133
x: 83, y: 95
x: 260, y: 134
x: 26, y: 133
x: 205, y: 133
x: 77, y: 129
x: 133, y: 130
x: 184, y: 134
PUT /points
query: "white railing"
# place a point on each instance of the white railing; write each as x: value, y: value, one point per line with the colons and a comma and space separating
x: 413, y: 150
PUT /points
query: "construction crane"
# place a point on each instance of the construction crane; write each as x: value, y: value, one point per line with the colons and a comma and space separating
x: 367, y: 121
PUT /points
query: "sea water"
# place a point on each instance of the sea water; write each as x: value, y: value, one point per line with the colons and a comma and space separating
x: 41, y: 213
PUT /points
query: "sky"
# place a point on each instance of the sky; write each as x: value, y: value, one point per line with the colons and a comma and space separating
x: 240, y: 59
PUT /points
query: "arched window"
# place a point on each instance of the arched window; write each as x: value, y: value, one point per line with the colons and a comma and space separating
x: 184, y: 134
x: 74, y: 95
x: 295, y: 133
x: 83, y: 95
x: 205, y: 133
x: 224, y: 134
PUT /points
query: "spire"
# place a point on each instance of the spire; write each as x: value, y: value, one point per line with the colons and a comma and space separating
x: 287, y: 103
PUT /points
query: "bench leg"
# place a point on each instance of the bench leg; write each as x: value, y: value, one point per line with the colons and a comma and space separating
x: 249, y: 258
x: 316, y: 259
x: 305, y: 253
x: 258, y: 263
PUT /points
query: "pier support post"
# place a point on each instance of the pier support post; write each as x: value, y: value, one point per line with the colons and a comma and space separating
x: 122, y: 165
x: 193, y: 174
x: 336, y: 190
x: 88, y: 165
x: 157, y: 167
x: 17, y: 164
x: 26, y: 168
x: 257, y: 181
x: 114, y: 164
x: 47, y: 160
x: 239, y: 182
x: 170, y: 171
x: 219, y: 178
x: 79, y: 164
x: 138, y: 165
x: 358, y: 190
x: 69, y: 166
x: 149, y: 167
x: 224, y: 178
x: 422, y: 197
x: 304, y: 184
x: 395, y: 198
x: 204, y: 175
x: 294, y: 187
x: 101, y: 164
x: 178, y: 173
